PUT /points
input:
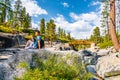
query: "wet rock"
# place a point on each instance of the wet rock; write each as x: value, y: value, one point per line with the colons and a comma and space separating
x: 86, y: 53
x: 91, y: 69
x: 88, y: 59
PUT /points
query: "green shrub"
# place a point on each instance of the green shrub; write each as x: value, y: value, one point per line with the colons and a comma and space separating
x: 23, y: 65
x: 55, y: 68
x: 105, y: 44
x: 6, y: 29
x: 30, y: 31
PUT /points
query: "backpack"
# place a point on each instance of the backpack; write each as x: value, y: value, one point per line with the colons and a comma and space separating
x: 42, y: 45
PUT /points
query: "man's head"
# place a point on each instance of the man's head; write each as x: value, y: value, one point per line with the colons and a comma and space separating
x: 37, y: 33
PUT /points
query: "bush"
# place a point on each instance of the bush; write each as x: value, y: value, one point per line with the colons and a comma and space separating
x: 54, y: 69
x: 30, y: 31
x: 28, y: 37
x: 105, y: 44
x: 6, y: 29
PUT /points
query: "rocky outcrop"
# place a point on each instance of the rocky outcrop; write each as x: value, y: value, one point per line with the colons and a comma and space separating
x: 11, y: 40
x: 102, y: 63
x: 11, y: 58
x: 9, y: 65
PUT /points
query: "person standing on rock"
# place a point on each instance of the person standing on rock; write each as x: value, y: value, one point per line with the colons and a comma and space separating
x: 37, y: 43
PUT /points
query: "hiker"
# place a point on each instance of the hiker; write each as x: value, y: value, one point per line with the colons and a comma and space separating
x: 37, y: 43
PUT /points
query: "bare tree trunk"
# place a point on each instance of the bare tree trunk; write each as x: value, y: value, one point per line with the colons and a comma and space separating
x: 112, y: 25
x: 51, y: 42
x: 108, y: 30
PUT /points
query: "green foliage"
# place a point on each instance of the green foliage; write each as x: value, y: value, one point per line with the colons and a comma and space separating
x: 105, y: 44
x: 23, y: 65
x: 17, y: 18
x: 69, y: 36
x: 55, y: 68
x: 4, y: 8
x: 96, y: 36
x: 25, y: 19
x: 6, y: 29
x: 105, y: 18
x: 62, y: 36
x: 29, y: 31
x: 51, y: 31
x: 63, y: 40
x: 42, y: 27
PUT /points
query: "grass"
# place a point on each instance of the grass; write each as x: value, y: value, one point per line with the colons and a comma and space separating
x: 55, y: 68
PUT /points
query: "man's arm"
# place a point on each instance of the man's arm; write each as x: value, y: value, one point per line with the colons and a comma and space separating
x: 39, y: 44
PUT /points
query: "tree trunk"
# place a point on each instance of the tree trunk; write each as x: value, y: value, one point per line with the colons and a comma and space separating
x: 51, y: 42
x: 108, y: 29
x: 112, y: 25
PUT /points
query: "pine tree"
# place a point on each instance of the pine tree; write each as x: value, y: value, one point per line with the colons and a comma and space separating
x: 69, y: 36
x: 113, y: 26
x: 61, y: 33
x: 51, y: 31
x: 4, y: 7
x: 17, y: 11
x: 105, y: 19
x: 96, y: 35
x: 47, y: 31
x: 23, y: 18
x: 42, y: 27
x: 59, y: 29
x: 10, y: 18
x: 27, y: 21
x: 64, y: 34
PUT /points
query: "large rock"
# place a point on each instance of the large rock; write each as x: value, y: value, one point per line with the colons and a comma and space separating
x: 11, y: 58
x: 11, y: 40
x: 107, y: 64
x: 9, y: 66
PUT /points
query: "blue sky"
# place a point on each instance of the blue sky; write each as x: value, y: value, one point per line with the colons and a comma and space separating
x: 76, y: 16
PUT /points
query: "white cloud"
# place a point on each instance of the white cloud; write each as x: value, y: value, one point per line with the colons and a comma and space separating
x: 94, y: 3
x: 82, y: 26
x: 65, y: 4
x: 35, y: 25
x: 33, y: 8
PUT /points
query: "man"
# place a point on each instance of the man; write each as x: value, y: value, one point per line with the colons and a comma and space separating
x: 34, y: 44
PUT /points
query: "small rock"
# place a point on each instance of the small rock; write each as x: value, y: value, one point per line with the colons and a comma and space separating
x: 91, y: 69
x: 86, y: 53
x: 103, y: 52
